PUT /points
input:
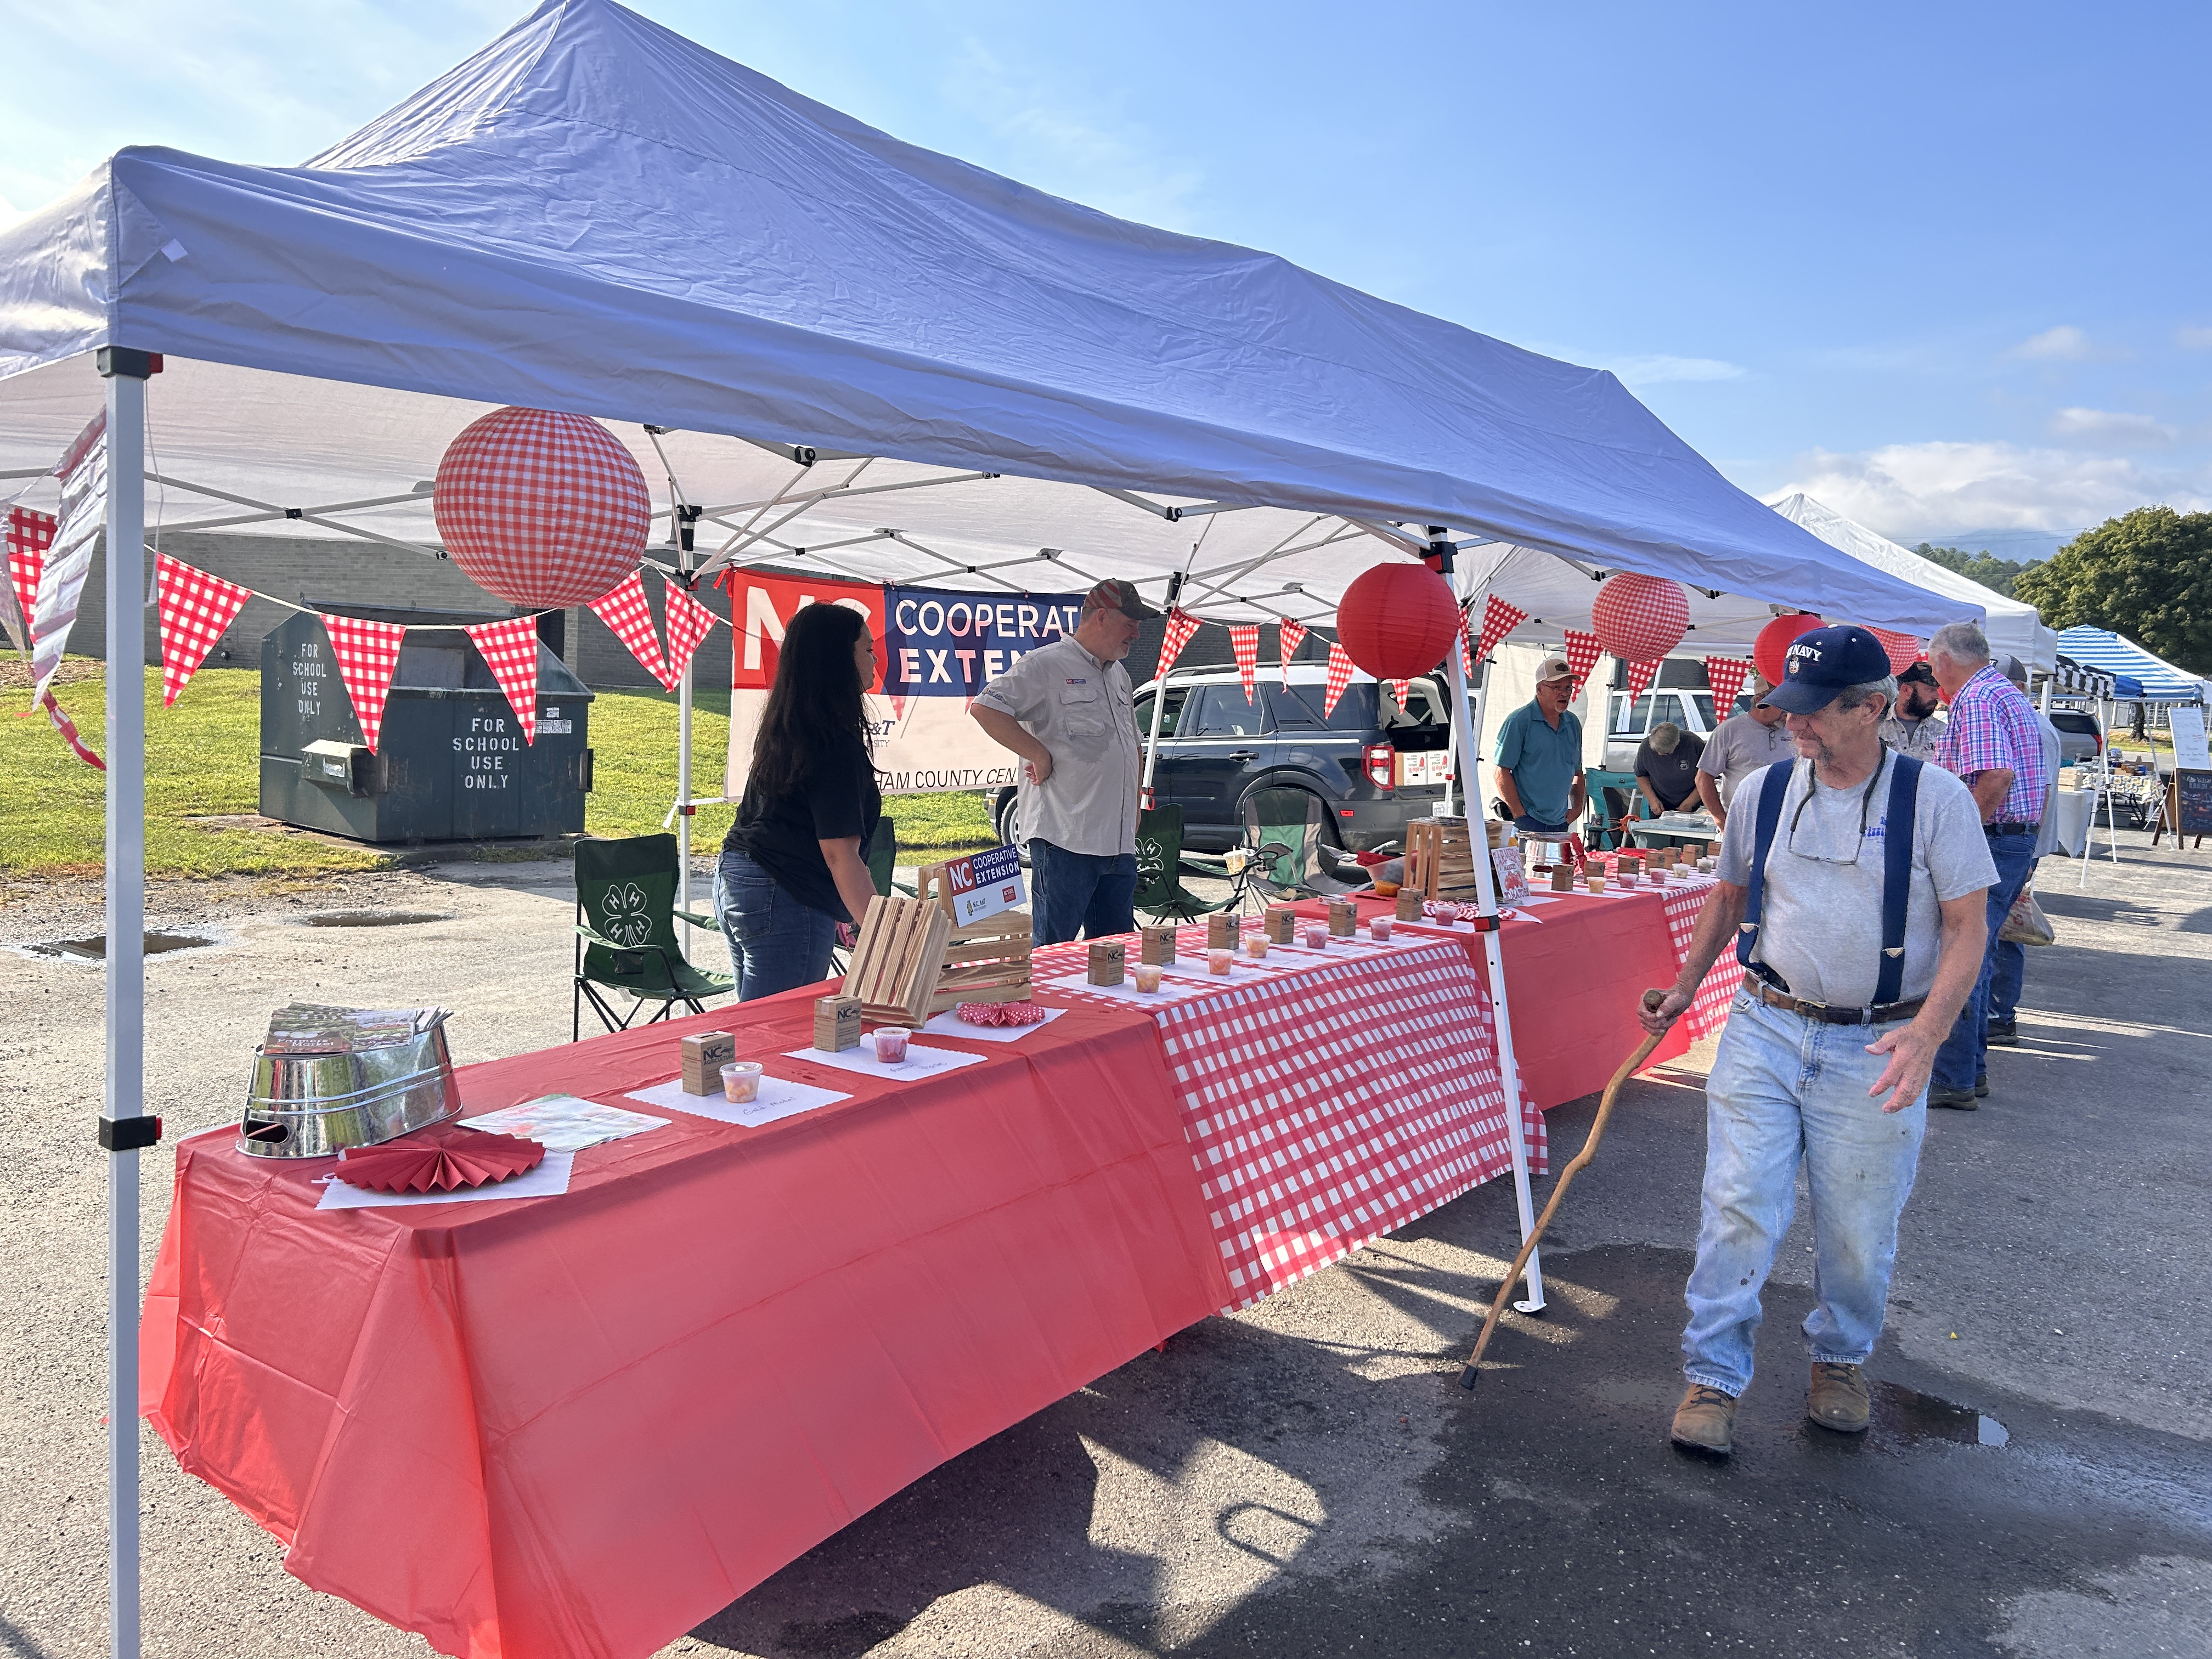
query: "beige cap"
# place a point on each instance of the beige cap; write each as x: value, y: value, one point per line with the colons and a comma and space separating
x: 1554, y: 668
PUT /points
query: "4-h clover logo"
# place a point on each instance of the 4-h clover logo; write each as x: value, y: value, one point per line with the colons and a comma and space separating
x: 627, y: 923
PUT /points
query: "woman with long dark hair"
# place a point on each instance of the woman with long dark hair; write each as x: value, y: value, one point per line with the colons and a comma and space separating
x: 794, y: 867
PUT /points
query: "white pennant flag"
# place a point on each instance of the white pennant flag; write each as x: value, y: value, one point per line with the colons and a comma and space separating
x: 83, y: 472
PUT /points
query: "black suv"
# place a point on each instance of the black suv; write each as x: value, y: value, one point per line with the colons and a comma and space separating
x: 1373, y: 764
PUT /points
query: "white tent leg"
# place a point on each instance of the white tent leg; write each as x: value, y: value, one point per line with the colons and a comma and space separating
x: 683, y: 807
x: 1469, y: 722
x: 125, y: 1096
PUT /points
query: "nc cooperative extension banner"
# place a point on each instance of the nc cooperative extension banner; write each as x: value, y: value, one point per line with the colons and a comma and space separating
x: 935, y: 649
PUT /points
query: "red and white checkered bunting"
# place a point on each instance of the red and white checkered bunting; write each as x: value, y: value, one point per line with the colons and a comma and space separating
x: 688, y: 622
x: 1640, y: 676
x: 510, y: 651
x: 1398, y: 689
x: 625, y: 610
x: 195, y: 609
x: 1294, y: 634
x: 1327, y: 1108
x: 67, y: 727
x: 1498, y: 619
x: 1340, y: 676
x: 1583, y: 653
x: 29, y: 534
x: 1902, y: 649
x: 1726, y: 675
x: 1180, y: 626
x: 366, y: 652
x: 1244, y: 643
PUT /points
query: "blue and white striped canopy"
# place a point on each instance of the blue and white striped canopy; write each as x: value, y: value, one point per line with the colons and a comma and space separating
x: 2156, y: 679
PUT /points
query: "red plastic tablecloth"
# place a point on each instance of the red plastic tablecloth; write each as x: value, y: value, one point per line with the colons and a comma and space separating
x: 578, y: 1425
x: 1574, y: 969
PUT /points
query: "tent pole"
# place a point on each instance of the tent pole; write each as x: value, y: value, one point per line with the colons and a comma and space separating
x: 1467, y: 722
x: 1153, y: 738
x: 123, y: 1130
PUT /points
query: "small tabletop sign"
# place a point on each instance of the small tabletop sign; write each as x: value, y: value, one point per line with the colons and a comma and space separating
x: 2191, y: 752
x: 983, y: 883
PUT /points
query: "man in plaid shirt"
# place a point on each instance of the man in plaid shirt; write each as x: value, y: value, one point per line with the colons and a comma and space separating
x: 1992, y: 743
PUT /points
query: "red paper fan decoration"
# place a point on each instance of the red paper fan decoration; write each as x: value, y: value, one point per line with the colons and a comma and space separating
x: 1773, y: 645
x: 543, y: 509
x: 1000, y: 1013
x: 1639, y: 618
x: 476, y: 1159
x: 1397, y: 620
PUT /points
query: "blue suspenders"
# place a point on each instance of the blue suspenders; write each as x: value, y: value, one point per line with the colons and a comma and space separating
x: 1896, y: 872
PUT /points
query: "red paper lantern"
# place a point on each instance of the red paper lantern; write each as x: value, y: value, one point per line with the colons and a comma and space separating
x: 1397, y: 620
x: 542, y: 509
x: 1769, y: 650
x: 1639, y: 618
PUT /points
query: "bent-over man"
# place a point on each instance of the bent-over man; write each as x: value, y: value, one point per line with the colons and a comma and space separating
x: 1066, y: 709
x: 1853, y: 881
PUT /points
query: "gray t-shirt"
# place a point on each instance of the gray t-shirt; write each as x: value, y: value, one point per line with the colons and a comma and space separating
x: 1821, y: 928
x: 1740, y: 747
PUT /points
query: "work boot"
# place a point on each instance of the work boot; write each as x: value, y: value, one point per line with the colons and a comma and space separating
x: 1958, y: 1100
x: 1706, y: 1421
x: 1838, y: 1398
x: 2003, y: 1034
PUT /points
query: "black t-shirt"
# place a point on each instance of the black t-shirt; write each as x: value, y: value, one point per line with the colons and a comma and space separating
x: 783, y: 833
x: 1674, y: 777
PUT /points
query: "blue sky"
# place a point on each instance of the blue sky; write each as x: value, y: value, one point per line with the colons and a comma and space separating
x: 1943, y: 266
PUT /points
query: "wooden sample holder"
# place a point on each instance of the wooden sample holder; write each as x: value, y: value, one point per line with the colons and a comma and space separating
x: 1155, y: 946
x: 1280, y: 924
x: 986, y: 961
x: 1221, y: 931
x: 1410, y: 904
x: 1105, y: 962
x: 1440, y: 860
x: 836, y: 1023
x: 1343, y: 919
x: 704, y: 1056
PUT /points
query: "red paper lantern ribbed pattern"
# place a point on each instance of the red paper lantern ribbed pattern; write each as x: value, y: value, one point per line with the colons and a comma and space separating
x: 1639, y: 618
x: 542, y: 509
x: 1771, y: 647
x: 1397, y: 620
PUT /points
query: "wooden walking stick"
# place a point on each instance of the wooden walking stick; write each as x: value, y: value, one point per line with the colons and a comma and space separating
x: 1467, y: 1378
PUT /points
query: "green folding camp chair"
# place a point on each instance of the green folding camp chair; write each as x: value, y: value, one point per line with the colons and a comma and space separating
x: 626, y: 918
x: 1280, y: 850
x: 1161, y: 865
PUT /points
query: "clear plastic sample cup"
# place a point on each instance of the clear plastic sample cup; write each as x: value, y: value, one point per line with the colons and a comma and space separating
x: 1217, y: 960
x: 890, y: 1044
x: 741, y: 1080
x: 1148, y: 977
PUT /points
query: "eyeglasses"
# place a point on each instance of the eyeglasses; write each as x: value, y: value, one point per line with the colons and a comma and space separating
x: 1858, y: 842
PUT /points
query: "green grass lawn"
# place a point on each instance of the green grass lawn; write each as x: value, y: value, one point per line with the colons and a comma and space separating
x: 201, y: 761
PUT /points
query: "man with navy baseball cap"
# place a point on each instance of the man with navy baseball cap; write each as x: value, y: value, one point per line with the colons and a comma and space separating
x: 1852, y: 882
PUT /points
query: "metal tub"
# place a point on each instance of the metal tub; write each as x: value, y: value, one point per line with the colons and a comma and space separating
x: 316, y: 1105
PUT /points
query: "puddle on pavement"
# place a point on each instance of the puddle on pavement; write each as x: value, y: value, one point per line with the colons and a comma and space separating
x: 1905, y: 1413
x: 93, y: 946
x: 374, y: 918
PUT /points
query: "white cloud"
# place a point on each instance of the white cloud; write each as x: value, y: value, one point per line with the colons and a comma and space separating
x: 1658, y: 369
x: 1935, y: 488
x: 2108, y: 425
x: 2193, y: 339
x: 2065, y: 344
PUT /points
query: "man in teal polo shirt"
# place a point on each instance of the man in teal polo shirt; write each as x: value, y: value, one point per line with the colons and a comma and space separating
x: 1539, y: 756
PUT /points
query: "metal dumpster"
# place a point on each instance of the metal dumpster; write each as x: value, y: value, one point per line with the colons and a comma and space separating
x: 450, y: 763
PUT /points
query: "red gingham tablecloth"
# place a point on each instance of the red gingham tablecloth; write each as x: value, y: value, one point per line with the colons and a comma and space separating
x: 1683, y: 900
x: 1331, y: 1104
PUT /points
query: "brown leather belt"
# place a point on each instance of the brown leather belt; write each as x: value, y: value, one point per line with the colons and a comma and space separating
x: 1828, y: 1016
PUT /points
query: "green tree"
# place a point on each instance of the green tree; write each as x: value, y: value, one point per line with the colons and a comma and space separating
x: 1995, y: 574
x: 2147, y: 575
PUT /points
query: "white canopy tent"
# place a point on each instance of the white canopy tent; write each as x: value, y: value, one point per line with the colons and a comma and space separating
x: 903, y: 366
x: 2013, y: 625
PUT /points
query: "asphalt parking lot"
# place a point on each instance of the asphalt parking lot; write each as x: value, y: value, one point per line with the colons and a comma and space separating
x: 1308, y: 1478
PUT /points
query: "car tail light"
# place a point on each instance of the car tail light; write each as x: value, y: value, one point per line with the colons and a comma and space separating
x: 1380, y: 758
x: 2099, y: 736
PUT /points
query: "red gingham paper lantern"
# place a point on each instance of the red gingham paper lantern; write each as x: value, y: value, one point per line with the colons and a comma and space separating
x: 509, y: 649
x: 1498, y: 619
x: 688, y: 622
x: 626, y: 610
x: 1640, y: 675
x: 1180, y: 626
x: 541, y: 509
x: 1294, y: 634
x: 1902, y: 649
x: 1244, y: 644
x: 1773, y: 645
x: 1582, y: 653
x: 1726, y: 675
x: 1340, y: 676
x: 366, y: 652
x: 1639, y: 618
x: 1397, y: 620
x: 194, y: 608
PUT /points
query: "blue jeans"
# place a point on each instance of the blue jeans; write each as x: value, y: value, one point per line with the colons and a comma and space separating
x: 775, y: 942
x: 1085, y: 892
x: 1785, y: 1088
x: 1965, y: 1055
x: 2007, y: 972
